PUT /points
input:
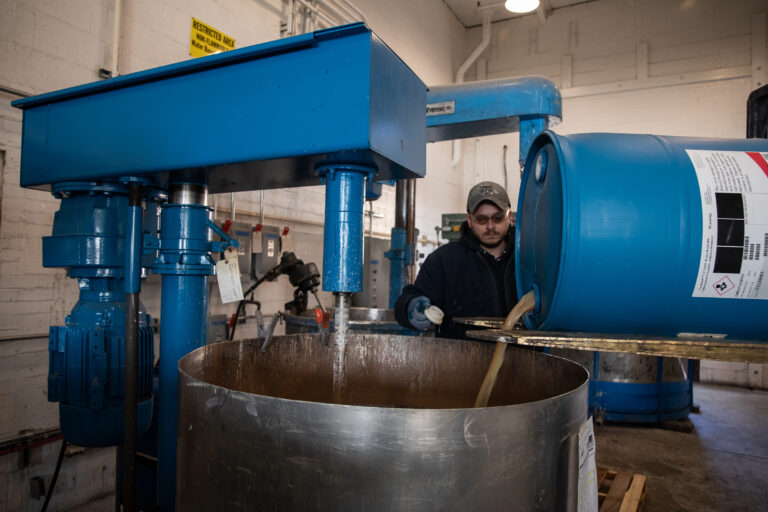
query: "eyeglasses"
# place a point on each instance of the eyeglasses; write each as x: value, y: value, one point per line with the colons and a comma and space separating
x: 497, y: 218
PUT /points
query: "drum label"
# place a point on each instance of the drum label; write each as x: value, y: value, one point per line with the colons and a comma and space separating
x: 734, y: 208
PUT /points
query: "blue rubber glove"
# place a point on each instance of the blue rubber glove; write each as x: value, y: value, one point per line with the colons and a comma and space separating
x: 416, y: 315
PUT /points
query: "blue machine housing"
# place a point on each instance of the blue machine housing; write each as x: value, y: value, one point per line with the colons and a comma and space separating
x: 87, y: 364
x: 528, y: 105
x: 87, y: 356
x: 610, y: 236
x: 635, y: 388
x: 254, y: 118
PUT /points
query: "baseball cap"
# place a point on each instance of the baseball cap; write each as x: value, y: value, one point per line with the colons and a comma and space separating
x: 487, y: 191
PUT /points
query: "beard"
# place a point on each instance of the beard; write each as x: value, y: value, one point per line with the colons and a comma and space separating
x: 494, y: 244
x: 489, y: 240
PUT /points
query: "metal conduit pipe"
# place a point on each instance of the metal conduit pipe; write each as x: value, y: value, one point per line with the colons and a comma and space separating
x: 292, y: 18
x: 484, y: 42
x: 344, y: 9
x: 400, y: 208
x: 341, y: 15
x: 351, y: 15
x: 410, y: 228
x: 261, y: 207
x: 322, y: 17
x: 357, y: 11
x: 116, y: 37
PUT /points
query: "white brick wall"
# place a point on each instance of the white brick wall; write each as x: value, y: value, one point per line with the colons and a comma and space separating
x: 91, y: 473
x: 31, y: 297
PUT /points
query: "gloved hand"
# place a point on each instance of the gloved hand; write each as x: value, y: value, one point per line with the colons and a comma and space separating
x: 416, y: 315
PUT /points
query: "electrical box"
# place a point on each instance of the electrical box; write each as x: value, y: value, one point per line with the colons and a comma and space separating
x: 375, y: 292
x: 266, y: 249
x: 217, y: 329
x: 241, y: 232
x: 452, y: 225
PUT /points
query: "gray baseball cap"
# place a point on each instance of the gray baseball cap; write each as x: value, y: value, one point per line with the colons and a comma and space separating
x: 487, y: 191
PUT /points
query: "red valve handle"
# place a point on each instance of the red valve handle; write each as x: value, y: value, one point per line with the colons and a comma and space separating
x: 323, y: 318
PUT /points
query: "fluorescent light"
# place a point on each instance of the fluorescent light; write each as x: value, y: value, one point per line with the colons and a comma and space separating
x: 521, y: 6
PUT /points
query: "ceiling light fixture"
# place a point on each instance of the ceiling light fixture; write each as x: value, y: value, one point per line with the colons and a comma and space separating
x: 521, y: 6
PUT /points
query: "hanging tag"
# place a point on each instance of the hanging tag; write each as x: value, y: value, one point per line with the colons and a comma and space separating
x: 228, y: 276
x: 587, y: 495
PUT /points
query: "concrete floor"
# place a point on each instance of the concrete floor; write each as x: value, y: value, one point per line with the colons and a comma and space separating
x: 721, y: 466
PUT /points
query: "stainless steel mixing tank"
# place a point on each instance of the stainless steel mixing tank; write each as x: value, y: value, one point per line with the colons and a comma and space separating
x: 258, y: 430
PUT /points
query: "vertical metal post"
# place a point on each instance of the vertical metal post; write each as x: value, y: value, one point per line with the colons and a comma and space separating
x: 397, y: 245
x: 185, y: 264
x: 261, y: 207
x: 400, y: 208
x: 529, y: 130
x: 410, y: 229
x: 343, y: 233
x: 343, y: 251
x: 132, y: 289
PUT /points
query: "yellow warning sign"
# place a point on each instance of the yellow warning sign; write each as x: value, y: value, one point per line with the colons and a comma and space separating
x: 206, y: 40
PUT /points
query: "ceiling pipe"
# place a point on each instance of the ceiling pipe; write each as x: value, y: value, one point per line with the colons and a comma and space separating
x: 543, y: 10
x: 320, y: 16
x: 334, y: 11
x: 350, y: 14
x: 484, y: 42
x: 116, y: 37
x: 357, y: 11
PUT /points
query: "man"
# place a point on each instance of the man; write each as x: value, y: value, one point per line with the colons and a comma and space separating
x: 474, y: 276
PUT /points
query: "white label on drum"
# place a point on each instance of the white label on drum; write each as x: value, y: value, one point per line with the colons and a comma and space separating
x: 734, y: 208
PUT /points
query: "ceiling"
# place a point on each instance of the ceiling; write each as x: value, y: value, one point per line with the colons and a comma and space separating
x: 470, y: 12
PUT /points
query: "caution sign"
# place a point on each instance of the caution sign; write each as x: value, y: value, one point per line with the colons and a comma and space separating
x: 206, y: 40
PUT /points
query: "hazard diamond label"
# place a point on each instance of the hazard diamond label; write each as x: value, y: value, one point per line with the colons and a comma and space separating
x: 723, y: 286
x: 733, y: 188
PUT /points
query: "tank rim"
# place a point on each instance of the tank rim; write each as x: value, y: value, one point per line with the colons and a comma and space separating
x: 196, y: 353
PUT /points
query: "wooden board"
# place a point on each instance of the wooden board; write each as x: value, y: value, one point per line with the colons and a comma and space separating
x: 620, y: 491
x: 691, y: 347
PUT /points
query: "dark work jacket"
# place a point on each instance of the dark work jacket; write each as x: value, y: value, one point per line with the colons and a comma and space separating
x: 464, y: 280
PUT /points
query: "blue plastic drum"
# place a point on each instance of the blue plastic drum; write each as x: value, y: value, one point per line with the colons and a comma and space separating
x: 645, y: 234
x: 632, y: 388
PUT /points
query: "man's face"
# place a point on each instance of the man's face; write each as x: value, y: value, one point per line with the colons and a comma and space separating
x: 489, y: 223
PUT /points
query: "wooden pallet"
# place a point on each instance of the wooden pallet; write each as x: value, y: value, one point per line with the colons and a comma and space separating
x: 619, y: 491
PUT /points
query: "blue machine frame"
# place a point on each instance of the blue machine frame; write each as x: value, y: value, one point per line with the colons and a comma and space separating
x: 336, y: 105
x: 528, y: 105
x: 254, y: 118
